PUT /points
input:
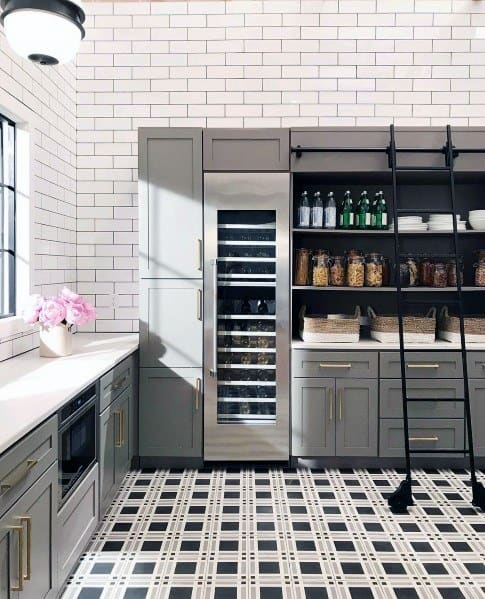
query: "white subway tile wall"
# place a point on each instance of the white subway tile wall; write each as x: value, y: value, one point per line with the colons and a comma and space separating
x: 240, y: 63
x: 50, y: 93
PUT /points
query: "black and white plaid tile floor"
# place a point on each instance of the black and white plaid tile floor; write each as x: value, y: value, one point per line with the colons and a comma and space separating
x: 273, y: 533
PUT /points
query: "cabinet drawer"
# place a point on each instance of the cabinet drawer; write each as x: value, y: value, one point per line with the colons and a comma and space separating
x: 315, y: 363
x: 340, y: 138
x: 23, y: 464
x: 422, y: 365
x: 391, y: 398
x: 476, y: 364
x: 114, y: 382
x: 429, y: 434
x: 246, y: 149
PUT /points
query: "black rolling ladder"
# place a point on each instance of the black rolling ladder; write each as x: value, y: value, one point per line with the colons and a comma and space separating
x: 402, y: 497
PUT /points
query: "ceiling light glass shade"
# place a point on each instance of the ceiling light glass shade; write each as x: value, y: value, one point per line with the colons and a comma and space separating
x: 44, y: 31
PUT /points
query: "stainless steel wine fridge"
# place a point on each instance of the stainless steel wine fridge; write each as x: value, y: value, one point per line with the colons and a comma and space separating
x: 246, y: 316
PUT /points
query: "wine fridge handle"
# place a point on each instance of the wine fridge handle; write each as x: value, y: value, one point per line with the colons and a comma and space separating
x: 213, y: 371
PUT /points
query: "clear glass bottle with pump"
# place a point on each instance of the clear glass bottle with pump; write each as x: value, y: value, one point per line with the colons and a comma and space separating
x: 316, y: 221
x: 304, y: 211
x: 330, y: 212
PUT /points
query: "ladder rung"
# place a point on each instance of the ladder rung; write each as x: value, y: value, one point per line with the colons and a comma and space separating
x: 423, y: 211
x: 422, y: 168
x: 464, y: 451
x: 448, y: 399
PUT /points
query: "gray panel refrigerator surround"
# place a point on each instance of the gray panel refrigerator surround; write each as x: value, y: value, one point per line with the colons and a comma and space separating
x: 246, y: 316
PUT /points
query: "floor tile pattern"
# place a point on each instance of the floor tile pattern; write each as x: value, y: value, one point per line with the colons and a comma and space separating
x: 275, y: 533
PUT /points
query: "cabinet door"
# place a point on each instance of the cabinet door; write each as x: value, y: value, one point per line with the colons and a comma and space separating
x: 122, y: 442
x: 171, y: 324
x: 313, y: 421
x: 107, y: 431
x: 356, y: 417
x: 170, y: 412
x: 170, y: 198
x: 32, y: 516
x: 477, y: 399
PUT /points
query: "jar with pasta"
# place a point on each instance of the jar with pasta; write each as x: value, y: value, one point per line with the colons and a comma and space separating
x: 413, y: 271
x: 480, y: 273
x: 386, y: 272
x: 426, y: 272
x: 320, y: 270
x: 452, y: 272
x: 337, y: 271
x: 373, y: 270
x: 440, y: 275
x: 355, y: 271
x: 302, y: 266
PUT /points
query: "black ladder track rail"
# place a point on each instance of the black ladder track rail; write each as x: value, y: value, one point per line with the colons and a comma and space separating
x: 402, y: 497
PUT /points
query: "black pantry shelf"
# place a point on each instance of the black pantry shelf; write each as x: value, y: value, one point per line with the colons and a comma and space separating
x: 388, y: 289
x: 384, y: 233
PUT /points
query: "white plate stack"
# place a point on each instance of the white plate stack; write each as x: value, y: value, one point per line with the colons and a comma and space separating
x: 476, y: 219
x: 410, y: 223
x: 444, y: 222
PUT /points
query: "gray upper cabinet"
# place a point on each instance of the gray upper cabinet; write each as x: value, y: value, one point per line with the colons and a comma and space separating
x: 171, y: 323
x: 356, y: 417
x: 246, y: 149
x: 313, y: 414
x: 477, y: 399
x: 170, y: 412
x: 170, y: 198
x: 464, y: 137
x: 364, y: 137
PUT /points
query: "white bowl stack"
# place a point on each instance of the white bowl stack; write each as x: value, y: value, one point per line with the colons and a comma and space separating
x: 444, y: 222
x: 476, y: 218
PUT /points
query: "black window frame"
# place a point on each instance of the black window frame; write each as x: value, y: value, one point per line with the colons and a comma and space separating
x: 7, y: 254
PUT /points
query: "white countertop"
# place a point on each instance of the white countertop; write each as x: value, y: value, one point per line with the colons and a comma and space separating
x: 33, y: 388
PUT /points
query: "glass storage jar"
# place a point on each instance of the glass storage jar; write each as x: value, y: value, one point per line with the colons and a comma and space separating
x: 373, y: 270
x: 404, y: 274
x: 320, y: 269
x: 452, y: 275
x: 440, y: 275
x: 413, y: 271
x: 355, y: 271
x: 480, y: 273
x: 337, y: 271
x: 386, y: 272
x: 302, y: 266
x: 426, y: 272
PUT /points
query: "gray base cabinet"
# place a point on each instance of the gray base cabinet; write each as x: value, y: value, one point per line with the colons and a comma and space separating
x: 477, y: 399
x: 334, y: 417
x: 114, y: 449
x: 170, y: 412
x: 28, y: 542
x: 76, y: 522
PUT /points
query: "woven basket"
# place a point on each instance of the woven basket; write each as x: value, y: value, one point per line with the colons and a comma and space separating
x: 411, y: 324
x: 474, y: 325
x: 320, y: 328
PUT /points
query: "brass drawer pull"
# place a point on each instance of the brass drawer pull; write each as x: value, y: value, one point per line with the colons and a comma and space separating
x: 119, y: 441
x: 330, y: 404
x: 423, y: 365
x: 340, y: 394
x: 199, y: 304
x: 199, y: 254
x: 198, y: 392
x: 28, y: 520
x: 435, y: 438
x: 123, y: 439
x: 20, y: 557
x: 29, y: 464
x: 334, y: 365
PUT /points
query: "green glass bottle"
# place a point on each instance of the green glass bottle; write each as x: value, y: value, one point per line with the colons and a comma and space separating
x: 381, y: 217
x: 346, y: 216
x: 362, y: 212
x: 373, y: 220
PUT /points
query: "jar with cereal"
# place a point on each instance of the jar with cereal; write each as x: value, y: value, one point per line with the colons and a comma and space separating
x: 337, y: 271
x: 480, y: 273
x: 302, y: 266
x: 440, y: 275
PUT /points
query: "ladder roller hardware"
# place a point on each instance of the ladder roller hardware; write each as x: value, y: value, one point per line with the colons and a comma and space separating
x: 402, y: 497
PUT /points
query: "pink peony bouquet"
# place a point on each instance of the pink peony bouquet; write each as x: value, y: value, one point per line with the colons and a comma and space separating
x: 66, y: 308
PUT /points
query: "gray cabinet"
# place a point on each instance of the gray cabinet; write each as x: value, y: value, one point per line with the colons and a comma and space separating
x: 28, y: 542
x: 334, y: 417
x: 170, y: 412
x: 170, y: 198
x: 114, y: 449
x: 476, y: 364
x: 171, y: 323
x: 422, y: 365
x: 246, y: 150
x: 315, y: 363
x: 477, y: 399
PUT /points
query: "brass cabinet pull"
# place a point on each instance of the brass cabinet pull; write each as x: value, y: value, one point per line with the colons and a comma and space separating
x: 435, y: 438
x: 340, y: 403
x: 198, y: 392
x: 122, y: 426
x: 119, y: 441
x: 423, y: 365
x: 330, y: 404
x: 28, y: 520
x: 199, y: 254
x: 29, y: 464
x: 199, y: 304
x: 20, y: 559
x: 335, y: 365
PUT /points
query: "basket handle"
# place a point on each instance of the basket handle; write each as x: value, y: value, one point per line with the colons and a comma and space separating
x: 431, y: 313
x: 357, y: 312
x: 444, y: 313
x: 302, y: 312
x: 370, y: 312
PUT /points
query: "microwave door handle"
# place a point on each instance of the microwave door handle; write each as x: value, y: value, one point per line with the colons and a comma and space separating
x: 213, y: 371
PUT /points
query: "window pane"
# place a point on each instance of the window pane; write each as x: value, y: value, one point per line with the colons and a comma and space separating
x: 8, y: 161
x: 7, y: 218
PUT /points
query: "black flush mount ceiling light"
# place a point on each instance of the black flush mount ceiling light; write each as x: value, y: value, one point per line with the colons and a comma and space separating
x: 47, y: 32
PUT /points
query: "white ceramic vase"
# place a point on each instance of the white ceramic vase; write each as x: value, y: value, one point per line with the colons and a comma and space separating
x: 55, y: 342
